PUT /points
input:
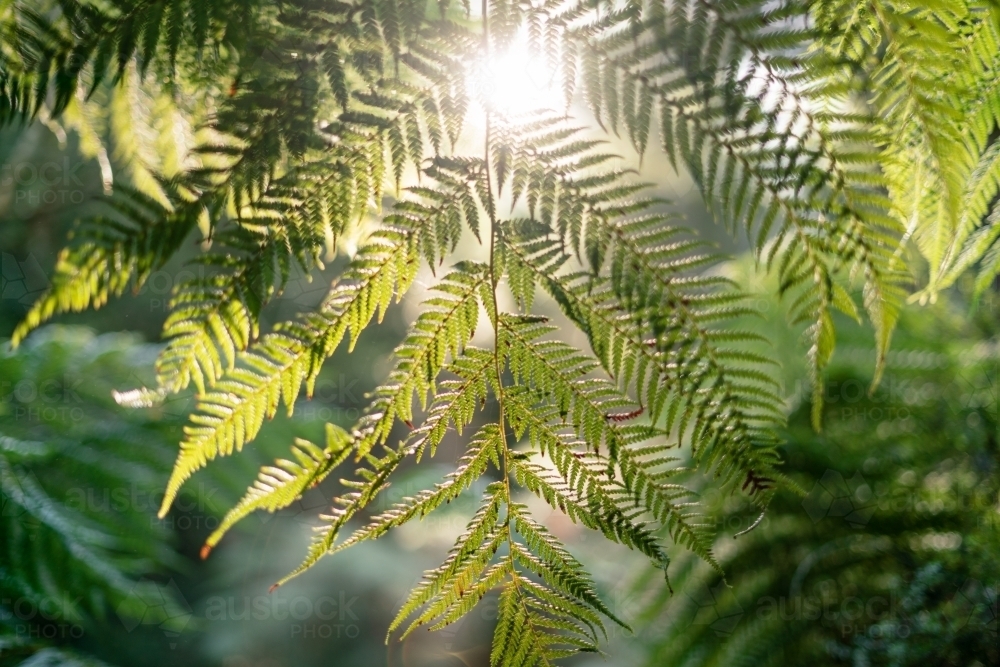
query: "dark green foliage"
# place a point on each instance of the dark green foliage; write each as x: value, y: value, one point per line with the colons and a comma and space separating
x: 834, y: 134
x: 890, y: 557
x: 74, y: 541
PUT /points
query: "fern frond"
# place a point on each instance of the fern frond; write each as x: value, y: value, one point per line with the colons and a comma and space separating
x: 275, y: 369
x: 456, y: 401
x: 755, y: 130
x: 111, y: 255
x: 481, y: 449
x: 467, y: 561
x: 374, y: 479
x: 280, y: 485
x: 653, y: 321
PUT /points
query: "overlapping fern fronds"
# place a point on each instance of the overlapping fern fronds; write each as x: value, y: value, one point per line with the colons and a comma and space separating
x: 608, y: 474
x: 62, y: 536
x: 831, y: 134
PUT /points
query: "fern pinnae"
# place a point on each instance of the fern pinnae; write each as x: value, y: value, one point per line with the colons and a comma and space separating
x: 547, y: 367
x: 280, y: 485
x: 471, y: 466
x: 277, y: 367
x: 470, y: 556
x: 590, y: 496
x: 567, y: 569
x: 595, y: 506
x: 457, y: 401
x: 375, y: 479
x: 251, y: 261
x: 443, y: 328
x: 755, y: 389
x: 111, y: 255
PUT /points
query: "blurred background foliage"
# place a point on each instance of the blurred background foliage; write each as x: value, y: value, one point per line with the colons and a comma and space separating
x: 888, y: 557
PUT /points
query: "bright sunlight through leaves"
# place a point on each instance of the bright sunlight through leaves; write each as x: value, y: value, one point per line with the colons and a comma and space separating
x: 517, y: 81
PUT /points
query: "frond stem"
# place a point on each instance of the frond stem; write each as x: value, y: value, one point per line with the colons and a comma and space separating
x: 494, y: 282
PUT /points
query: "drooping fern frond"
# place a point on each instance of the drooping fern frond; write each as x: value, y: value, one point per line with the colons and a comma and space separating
x: 761, y: 136
x: 275, y: 369
x: 112, y: 255
x: 251, y: 261
x: 831, y: 135
x: 280, y: 485
x: 933, y: 85
x: 540, y: 620
x: 649, y: 319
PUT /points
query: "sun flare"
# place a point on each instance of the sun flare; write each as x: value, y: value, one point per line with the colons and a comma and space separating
x: 516, y: 81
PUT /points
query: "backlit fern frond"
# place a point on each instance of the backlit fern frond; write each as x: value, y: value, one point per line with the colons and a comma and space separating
x: 374, y: 478
x: 280, y: 485
x: 548, y: 606
x: 52, y: 48
x: 937, y: 92
x: 481, y: 450
x: 650, y: 317
x: 443, y: 328
x: 760, y: 135
x: 539, y: 623
x: 274, y: 370
x: 831, y: 134
x: 925, y: 67
x: 113, y: 252
x: 251, y: 260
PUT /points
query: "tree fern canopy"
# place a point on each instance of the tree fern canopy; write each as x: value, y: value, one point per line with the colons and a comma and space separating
x: 854, y: 145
